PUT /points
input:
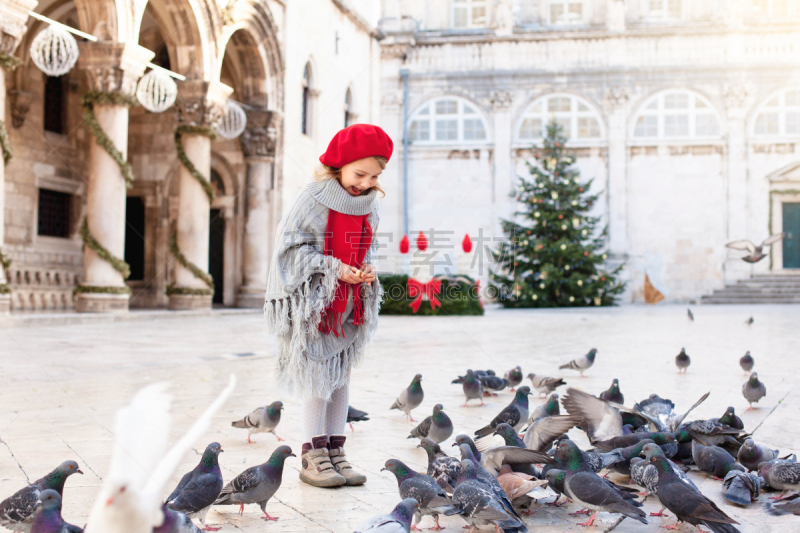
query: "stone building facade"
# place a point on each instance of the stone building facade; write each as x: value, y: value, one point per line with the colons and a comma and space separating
x: 686, y: 116
x: 301, y: 70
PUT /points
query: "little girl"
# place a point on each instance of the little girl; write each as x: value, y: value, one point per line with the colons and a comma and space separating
x: 323, y: 296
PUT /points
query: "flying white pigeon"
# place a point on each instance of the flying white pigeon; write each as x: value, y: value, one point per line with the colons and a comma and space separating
x: 756, y: 252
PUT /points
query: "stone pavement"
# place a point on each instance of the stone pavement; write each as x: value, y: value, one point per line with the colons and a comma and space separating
x: 62, y: 385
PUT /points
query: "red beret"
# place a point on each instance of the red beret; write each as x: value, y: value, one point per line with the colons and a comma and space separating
x: 356, y: 142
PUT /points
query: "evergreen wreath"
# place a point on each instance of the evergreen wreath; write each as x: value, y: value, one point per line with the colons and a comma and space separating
x: 5, y: 144
x: 188, y: 129
x: 97, y: 97
x: 92, y: 289
x: 5, y: 262
x: 10, y: 62
x: 191, y: 267
x: 118, y: 264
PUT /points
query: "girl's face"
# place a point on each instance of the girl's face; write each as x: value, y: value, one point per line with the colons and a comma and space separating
x: 359, y: 176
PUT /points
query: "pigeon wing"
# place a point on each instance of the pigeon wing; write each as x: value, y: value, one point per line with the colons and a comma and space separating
x: 772, y: 239
x: 742, y: 245
x: 244, y: 482
x: 421, y: 431
x: 604, y: 421
x: 541, y: 434
x: 201, y: 492
x: 19, y: 506
x: 675, y: 424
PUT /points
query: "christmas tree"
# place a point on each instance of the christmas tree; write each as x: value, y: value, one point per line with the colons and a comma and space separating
x: 553, y: 257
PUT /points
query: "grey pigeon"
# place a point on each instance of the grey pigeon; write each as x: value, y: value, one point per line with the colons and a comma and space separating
x: 437, y: 427
x: 491, y: 384
x: 730, y: 419
x: 714, y: 460
x: 582, y: 363
x: 742, y: 488
x: 787, y: 505
x: 472, y: 387
x: 17, y: 510
x: 431, y: 497
x: 257, y: 484
x: 661, y: 412
x: 545, y: 384
x: 398, y: 521
x: 682, y: 361
x: 175, y: 522
x: 514, y: 377
x: 548, y: 408
x: 643, y: 474
x: 755, y: 253
x: 410, y: 398
x: 354, y: 415
x: 541, y: 435
x: 650, y: 450
x: 480, y: 505
x: 690, y: 314
x: 753, y: 390
x: 747, y: 362
x: 750, y: 321
x: 47, y: 518
x: 443, y: 468
x: 752, y: 454
x: 488, y: 478
x: 199, y: 489
x: 613, y: 394
x: 603, y: 420
x: 712, y: 433
x: 262, y: 420
x: 515, y: 414
x: 555, y: 481
x: 780, y: 474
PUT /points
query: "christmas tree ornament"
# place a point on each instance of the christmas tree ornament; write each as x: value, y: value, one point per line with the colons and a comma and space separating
x: 54, y: 51
x: 563, y: 246
x: 233, y: 122
x: 422, y: 242
x: 404, y: 245
x: 580, y: 283
x: 571, y: 298
x: 466, y: 244
x: 156, y: 91
x: 564, y: 226
x: 541, y: 285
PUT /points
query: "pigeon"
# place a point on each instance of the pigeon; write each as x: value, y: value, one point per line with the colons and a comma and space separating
x: 682, y: 361
x: 687, y: 503
x: 492, y: 383
x: 746, y: 362
x: 602, y: 419
x: 514, y: 377
x: 16, y: 511
x: 755, y: 253
x: 262, y: 420
x: 650, y: 450
x: 431, y: 497
x: 354, y: 415
x: 690, y: 314
x: 541, y: 435
x: 175, y: 522
x: 742, y: 488
x: 589, y: 490
x: 492, y: 460
x: 517, y: 485
x: 752, y: 454
x: 619, y: 460
x: 753, y: 390
x: 730, y: 419
x: 410, y: 398
x: 131, y: 497
x: 548, y: 408
x: 515, y: 414
x: 659, y: 437
x: 47, y: 518
x: 443, y: 468
x: 788, y: 505
x: 545, y: 384
x: 713, y: 460
x: 749, y: 321
x: 555, y: 481
x: 480, y: 505
x: 436, y: 427
x: 398, y: 521
x: 613, y: 393
x: 712, y: 433
x: 643, y: 474
x: 780, y: 474
x: 477, y: 373
x: 199, y: 489
x: 473, y: 390
x: 581, y: 363
x: 257, y: 484
x: 661, y: 412
x: 464, y: 439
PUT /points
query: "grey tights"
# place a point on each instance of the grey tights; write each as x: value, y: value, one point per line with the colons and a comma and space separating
x: 321, y: 417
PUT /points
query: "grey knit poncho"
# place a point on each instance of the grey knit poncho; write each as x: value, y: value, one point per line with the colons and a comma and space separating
x: 302, y: 283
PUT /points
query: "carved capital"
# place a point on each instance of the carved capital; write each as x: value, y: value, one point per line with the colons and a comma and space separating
x: 20, y: 105
x: 201, y: 103
x: 13, y: 16
x: 392, y: 99
x: 113, y: 67
x: 260, y: 137
x: 617, y: 96
x: 734, y: 95
x: 500, y: 99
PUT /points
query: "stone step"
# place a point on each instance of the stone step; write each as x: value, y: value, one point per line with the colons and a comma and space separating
x: 757, y: 290
x: 726, y: 299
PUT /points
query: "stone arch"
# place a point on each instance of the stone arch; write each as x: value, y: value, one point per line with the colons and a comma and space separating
x: 465, y: 109
x: 581, y: 107
x: 697, y: 104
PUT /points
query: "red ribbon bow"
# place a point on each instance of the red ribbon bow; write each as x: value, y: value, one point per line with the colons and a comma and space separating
x: 428, y: 290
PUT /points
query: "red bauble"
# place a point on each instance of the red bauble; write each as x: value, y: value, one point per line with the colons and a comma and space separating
x: 580, y: 189
x: 422, y: 242
x: 404, y: 244
x: 560, y: 217
x: 466, y: 244
x: 585, y: 254
x: 603, y: 278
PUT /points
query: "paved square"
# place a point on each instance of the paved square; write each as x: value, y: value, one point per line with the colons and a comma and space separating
x: 62, y: 385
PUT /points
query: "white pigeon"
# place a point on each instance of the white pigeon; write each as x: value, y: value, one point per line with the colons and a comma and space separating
x: 142, y: 466
x: 755, y: 253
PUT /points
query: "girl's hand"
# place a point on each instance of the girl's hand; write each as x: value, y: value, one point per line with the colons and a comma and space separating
x: 349, y: 274
x: 367, y: 273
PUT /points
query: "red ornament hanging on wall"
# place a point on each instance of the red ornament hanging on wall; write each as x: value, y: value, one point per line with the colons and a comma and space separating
x: 422, y: 242
x: 466, y: 244
x: 404, y: 245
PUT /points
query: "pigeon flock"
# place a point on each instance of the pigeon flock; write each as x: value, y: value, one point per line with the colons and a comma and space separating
x: 521, y: 461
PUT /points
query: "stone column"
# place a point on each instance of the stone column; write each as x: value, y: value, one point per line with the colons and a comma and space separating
x: 12, y: 28
x: 112, y: 69
x: 200, y: 107
x: 616, y: 99
x: 258, y: 145
x: 735, y: 96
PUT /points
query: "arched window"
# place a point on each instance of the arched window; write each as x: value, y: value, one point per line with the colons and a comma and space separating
x: 447, y: 120
x: 54, y: 104
x: 304, y: 128
x: 579, y: 121
x: 780, y: 115
x: 676, y: 114
x: 217, y: 184
x: 348, y: 108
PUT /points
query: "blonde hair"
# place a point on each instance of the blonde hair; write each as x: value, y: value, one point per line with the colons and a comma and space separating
x: 331, y: 173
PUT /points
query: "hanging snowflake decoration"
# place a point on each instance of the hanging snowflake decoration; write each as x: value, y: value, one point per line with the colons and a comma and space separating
x: 234, y: 121
x: 156, y: 91
x: 54, y: 51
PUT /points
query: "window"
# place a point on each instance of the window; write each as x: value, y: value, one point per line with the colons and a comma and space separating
x: 54, y: 104
x: 676, y: 115
x: 134, y: 236
x: 780, y: 116
x: 348, y: 108
x: 446, y: 121
x: 664, y: 9
x: 217, y: 184
x: 528, y: 12
x: 469, y: 13
x: 776, y: 8
x: 54, y: 213
x: 579, y: 121
x: 564, y: 12
x: 304, y: 128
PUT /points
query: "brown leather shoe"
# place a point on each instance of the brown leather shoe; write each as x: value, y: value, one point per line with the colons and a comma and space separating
x: 317, y: 468
x: 339, y: 461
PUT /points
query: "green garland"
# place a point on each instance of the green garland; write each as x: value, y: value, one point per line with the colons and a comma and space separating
x: 91, y: 289
x: 209, y: 132
x: 10, y: 62
x: 96, y: 97
x: 5, y: 144
x: 4, y: 288
x: 118, y: 264
x: 191, y: 267
x: 5, y: 261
